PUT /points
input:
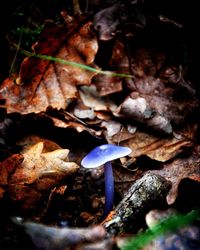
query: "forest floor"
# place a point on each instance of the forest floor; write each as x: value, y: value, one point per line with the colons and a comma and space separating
x: 76, y: 75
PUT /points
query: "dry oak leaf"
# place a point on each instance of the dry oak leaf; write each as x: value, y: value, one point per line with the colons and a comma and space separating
x: 46, y: 83
x: 39, y: 173
x: 180, y: 168
x: 7, y: 168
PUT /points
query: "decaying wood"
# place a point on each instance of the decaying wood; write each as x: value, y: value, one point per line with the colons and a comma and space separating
x: 140, y: 198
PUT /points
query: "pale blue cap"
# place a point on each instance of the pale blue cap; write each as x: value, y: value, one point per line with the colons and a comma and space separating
x: 104, y: 153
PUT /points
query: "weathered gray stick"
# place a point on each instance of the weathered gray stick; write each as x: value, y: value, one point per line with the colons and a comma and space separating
x: 142, y: 196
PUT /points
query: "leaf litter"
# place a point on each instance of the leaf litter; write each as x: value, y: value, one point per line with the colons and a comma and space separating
x: 154, y: 112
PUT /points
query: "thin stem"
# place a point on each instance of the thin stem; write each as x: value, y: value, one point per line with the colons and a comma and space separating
x: 109, y: 188
x: 17, y: 51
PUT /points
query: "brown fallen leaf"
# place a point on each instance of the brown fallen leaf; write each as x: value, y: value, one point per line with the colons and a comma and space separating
x: 106, y: 22
x: 38, y: 174
x: 106, y: 84
x: 82, y: 112
x: 180, y: 168
x: 151, y: 145
x: 7, y: 168
x: 30, y: 140
x: 119, y: 17
x: 158, y: 149
x: 159, y: 94
x: 45, y: 83
x: 71, y: 121
x: 149, y: 151
x: 91, y: 98
x: 157, y: 106
x: 112, y: 128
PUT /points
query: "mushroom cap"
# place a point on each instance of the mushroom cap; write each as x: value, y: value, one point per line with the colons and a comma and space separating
x: 104, y: 153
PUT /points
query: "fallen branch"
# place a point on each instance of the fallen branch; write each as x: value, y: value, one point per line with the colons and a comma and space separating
x: 151, y: 189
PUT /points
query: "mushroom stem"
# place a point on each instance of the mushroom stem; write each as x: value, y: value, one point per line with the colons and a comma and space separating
x: 109, y: 188
x: 104, y: 154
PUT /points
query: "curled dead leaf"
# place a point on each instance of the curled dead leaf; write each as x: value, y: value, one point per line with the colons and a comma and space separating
x: 50, y: 83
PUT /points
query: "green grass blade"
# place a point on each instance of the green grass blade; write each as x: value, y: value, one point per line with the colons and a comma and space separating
x: 74, y: 64
x: 170, y: 224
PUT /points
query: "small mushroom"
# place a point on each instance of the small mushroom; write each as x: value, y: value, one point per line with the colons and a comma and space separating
x: 103, y: 155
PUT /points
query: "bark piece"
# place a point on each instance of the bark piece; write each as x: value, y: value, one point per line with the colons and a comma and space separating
x: 139, y: 199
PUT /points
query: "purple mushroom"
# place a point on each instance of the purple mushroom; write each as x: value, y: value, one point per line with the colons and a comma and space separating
x: 103, y: 155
